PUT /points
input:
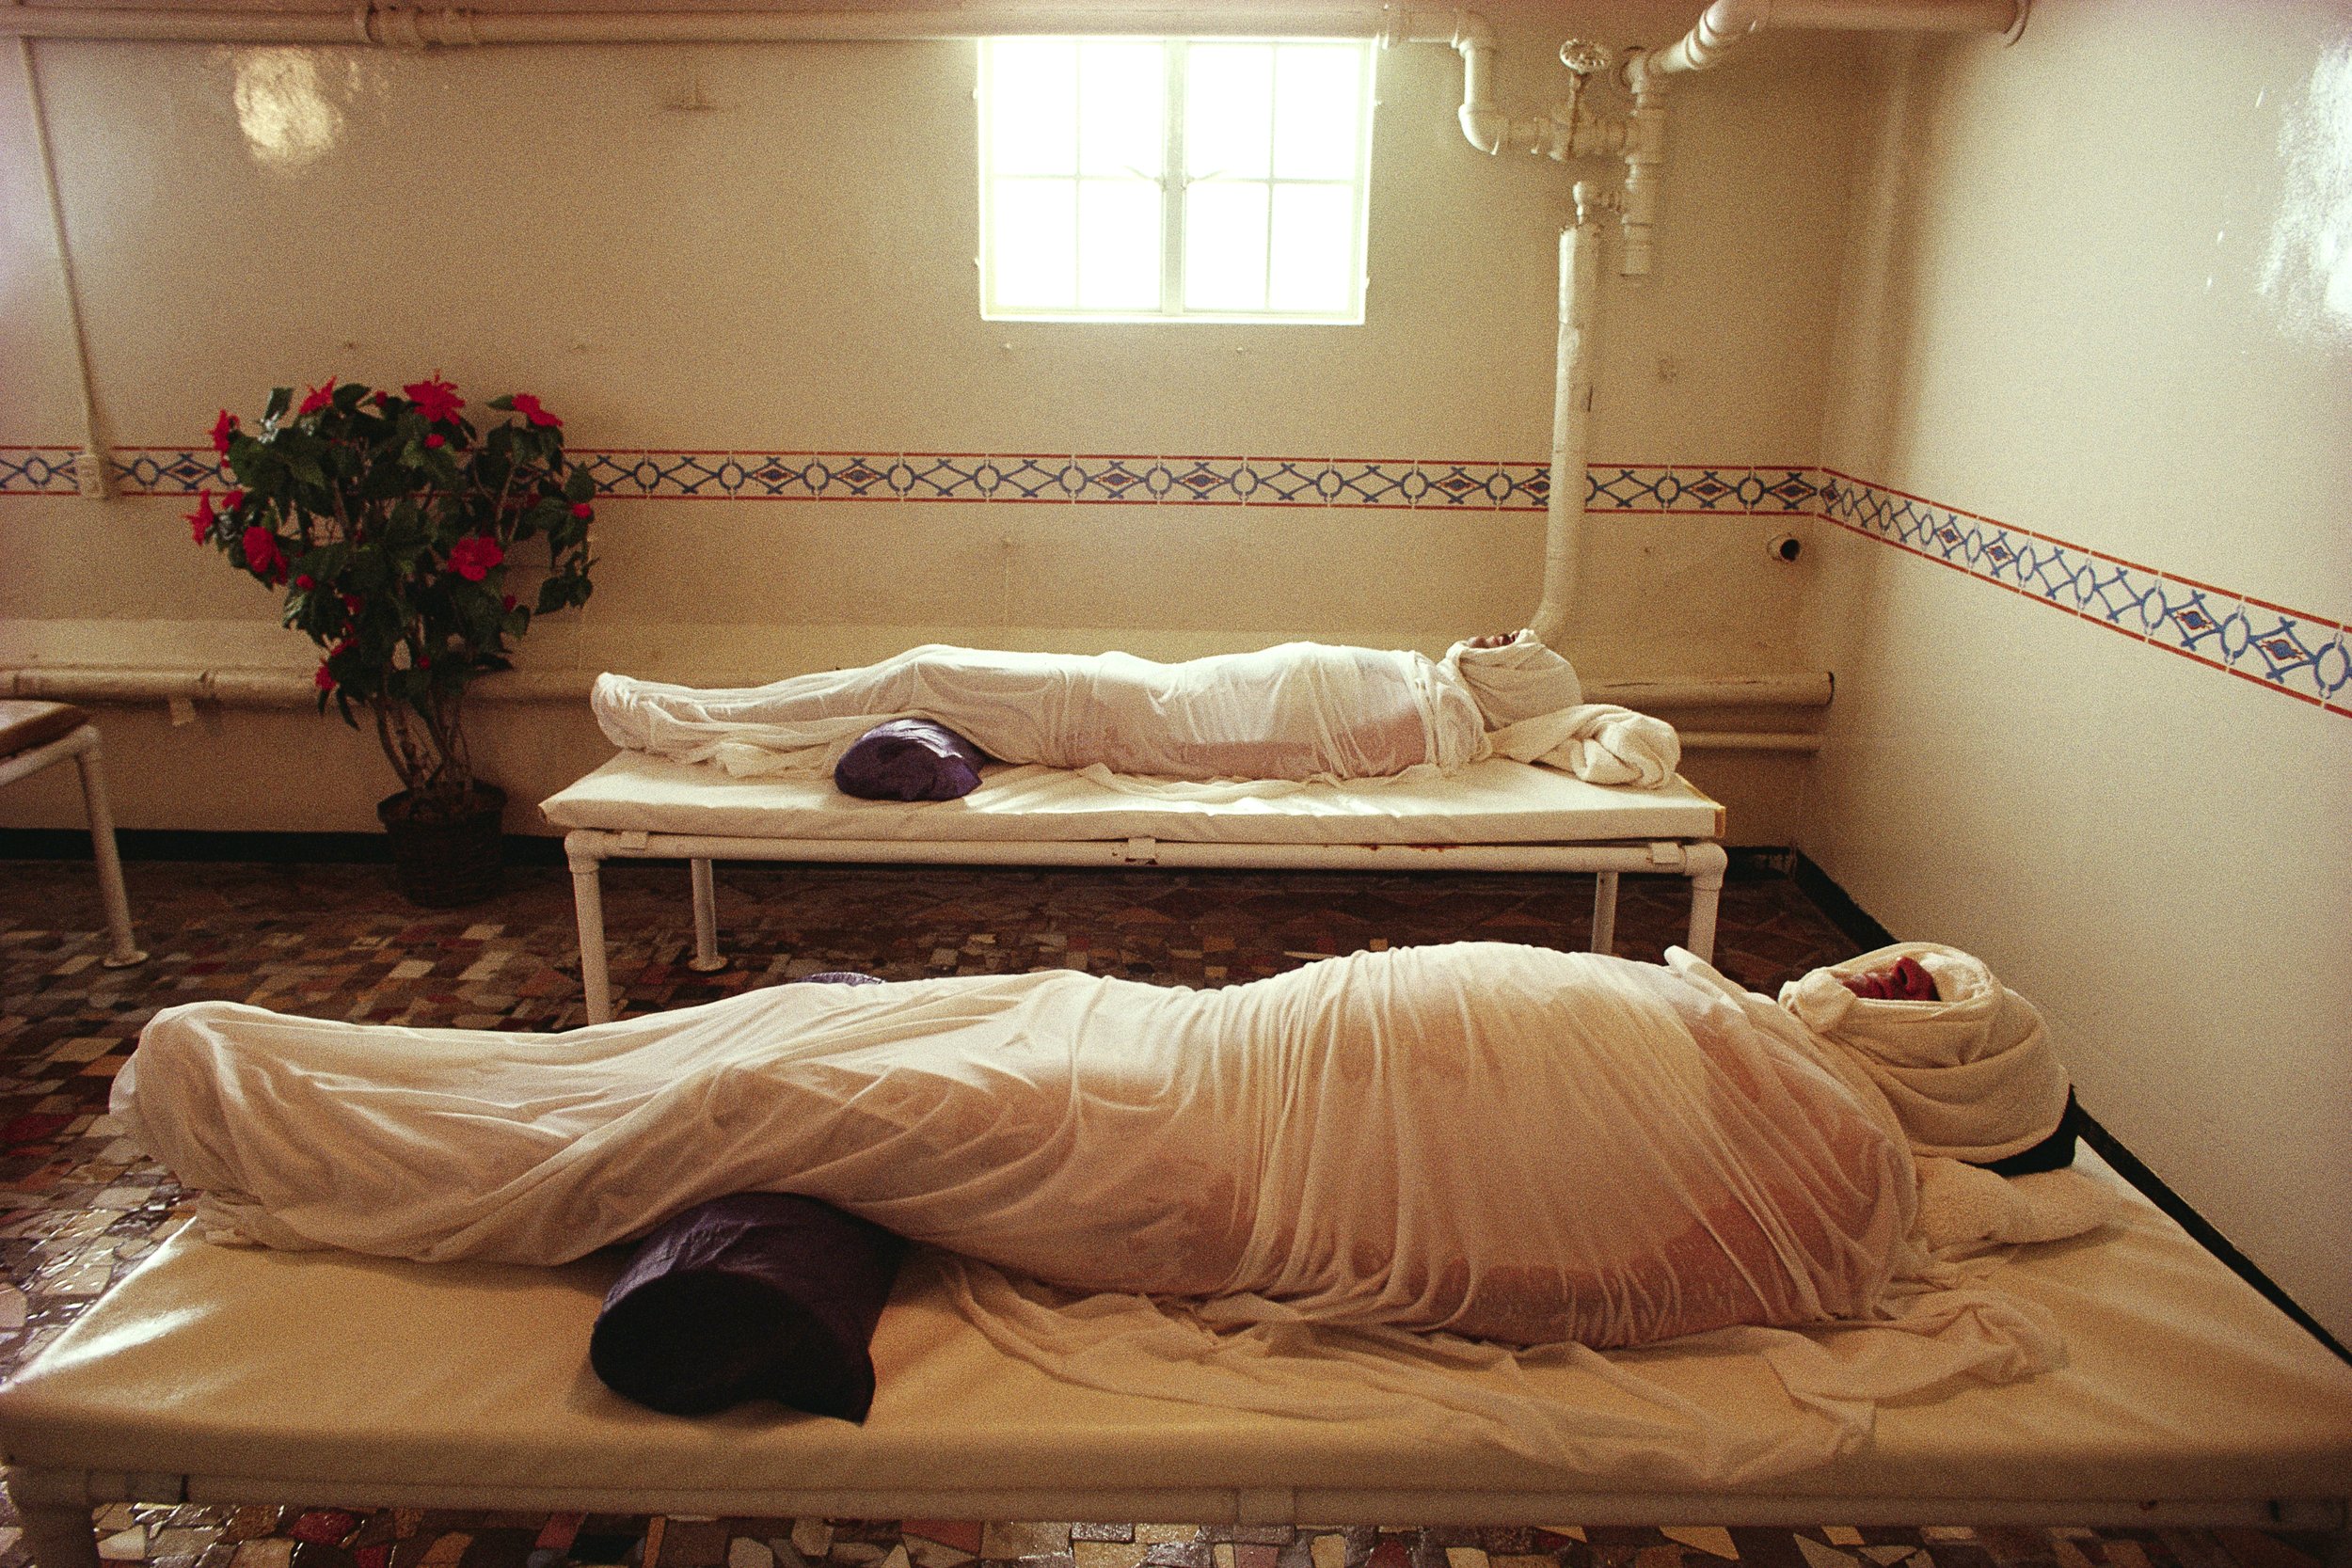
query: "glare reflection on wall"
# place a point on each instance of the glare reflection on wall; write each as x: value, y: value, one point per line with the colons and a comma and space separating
x: 2308, y: 271
x: 286, y: 118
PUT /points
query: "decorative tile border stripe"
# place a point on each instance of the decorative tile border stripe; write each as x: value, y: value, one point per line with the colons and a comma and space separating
x: 37, y: 470
x: 1657, y: 489
x: 2307, y: 657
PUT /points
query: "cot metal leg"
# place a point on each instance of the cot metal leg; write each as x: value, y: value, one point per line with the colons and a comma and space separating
x: 1605, y: 911
x: 122, y: 949
x: 707, y: 960
x: 595, y: 986
x: 1705, y: 864
x: 58, y: 1529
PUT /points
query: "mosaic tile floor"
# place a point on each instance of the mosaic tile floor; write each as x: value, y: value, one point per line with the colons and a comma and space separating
x: 79, y: 1206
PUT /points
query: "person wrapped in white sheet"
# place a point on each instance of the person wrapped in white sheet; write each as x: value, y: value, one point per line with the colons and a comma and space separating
x: 1299, y: 711
x: 1509, y: 1143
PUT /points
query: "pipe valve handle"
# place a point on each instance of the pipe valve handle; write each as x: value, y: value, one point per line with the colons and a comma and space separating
x: 1585, y: 59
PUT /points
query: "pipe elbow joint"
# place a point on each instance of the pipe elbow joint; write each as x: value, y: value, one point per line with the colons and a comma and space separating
x: 1481, y: 128
x: 1487, y: 129
x: 1472, y: 31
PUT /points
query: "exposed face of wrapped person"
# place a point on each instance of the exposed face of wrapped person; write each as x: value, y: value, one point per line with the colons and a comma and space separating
x: 1968, y: 1067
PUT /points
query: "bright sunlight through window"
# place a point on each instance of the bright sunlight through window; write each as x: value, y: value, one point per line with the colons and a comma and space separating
x: 1173, y: 180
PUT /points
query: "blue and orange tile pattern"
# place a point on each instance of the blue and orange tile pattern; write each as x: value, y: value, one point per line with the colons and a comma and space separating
x: 2305, y: 656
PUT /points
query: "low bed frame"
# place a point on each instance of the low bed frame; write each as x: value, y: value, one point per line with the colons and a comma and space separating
x: 1494, y: 815
x: 230, y: 1375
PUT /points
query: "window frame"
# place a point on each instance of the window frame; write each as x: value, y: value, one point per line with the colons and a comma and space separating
x: 1175, y: 183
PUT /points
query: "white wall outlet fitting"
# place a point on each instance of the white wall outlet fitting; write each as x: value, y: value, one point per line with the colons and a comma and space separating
x: 1784, y: 546
x: 90, y: 476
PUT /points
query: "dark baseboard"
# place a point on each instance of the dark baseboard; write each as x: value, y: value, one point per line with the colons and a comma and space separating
x: 1865, y: 932
x: 1838, y: 905
x: 2127, y: 1165
x: 172, y: 844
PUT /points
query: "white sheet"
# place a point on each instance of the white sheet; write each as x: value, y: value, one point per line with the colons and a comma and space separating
x: 1494, y: 801
x: 1299, y: 711
x: 1500, y: 1141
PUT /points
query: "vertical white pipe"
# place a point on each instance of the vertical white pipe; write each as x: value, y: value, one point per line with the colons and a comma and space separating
x: 706, y: 959
x: 89, y: 464
x: 1571, y: 421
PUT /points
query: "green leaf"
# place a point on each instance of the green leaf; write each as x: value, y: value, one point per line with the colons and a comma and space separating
x: 280, y: 398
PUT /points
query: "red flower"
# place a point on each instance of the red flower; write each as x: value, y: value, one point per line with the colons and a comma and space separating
x: 474, y: 555
x: 437, y: 399
x: 222, y: 429
x: 325, y: 679
x: 261, y: 551
x: 200, y: 520
x: 527, y: 405
x: 234, y: 500
x: 507, y: 603
x: 305, y: 582
x: 321, y: 397
x: 436, y: 439
x: 351, y: 603
x: 583, y: 511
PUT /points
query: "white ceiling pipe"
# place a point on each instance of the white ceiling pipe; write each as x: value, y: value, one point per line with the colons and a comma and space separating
x: 417, y: 27
x: 289, y: 687
x: 1727, y: 24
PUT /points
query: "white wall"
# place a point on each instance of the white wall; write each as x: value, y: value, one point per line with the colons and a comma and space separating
x: 2087, y: 298
x: 792, y: 271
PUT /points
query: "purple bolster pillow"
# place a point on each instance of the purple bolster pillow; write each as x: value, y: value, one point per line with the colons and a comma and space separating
x: 754, y: 1295
x: 910, y: 759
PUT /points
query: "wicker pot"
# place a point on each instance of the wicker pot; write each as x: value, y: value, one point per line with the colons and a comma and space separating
x: 446, y: 853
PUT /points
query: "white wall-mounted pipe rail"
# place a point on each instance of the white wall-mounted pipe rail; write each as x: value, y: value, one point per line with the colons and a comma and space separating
x: 251, y: 688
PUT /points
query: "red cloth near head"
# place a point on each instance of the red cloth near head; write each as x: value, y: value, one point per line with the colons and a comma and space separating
x: 1905, y: 982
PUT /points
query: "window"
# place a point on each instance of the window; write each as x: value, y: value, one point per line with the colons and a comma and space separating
x: 1173, y: 178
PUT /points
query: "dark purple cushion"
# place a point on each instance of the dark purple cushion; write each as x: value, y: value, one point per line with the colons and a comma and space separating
x: 754, y: 1296
x: 910, y: 759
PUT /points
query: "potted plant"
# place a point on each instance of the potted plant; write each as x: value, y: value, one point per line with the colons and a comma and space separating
x: 392, y: 524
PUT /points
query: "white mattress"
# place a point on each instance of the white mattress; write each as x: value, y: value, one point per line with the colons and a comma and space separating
x: 323, y: 1377
x: 1496, y: 801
